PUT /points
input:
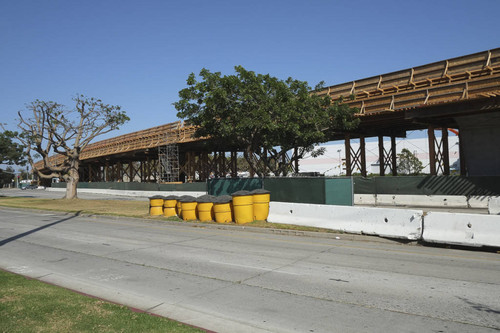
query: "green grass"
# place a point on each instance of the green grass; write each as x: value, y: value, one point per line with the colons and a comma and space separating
x: 103, y: 207
x: 32, y: 306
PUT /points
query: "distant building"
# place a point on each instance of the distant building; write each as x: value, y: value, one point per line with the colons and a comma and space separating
x: 332, y: 162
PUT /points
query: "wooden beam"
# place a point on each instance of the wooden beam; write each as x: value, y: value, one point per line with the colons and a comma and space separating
x: 394, y: 158
x: 381, y: 155
x: 362, y: 148
x: 461, y: 152
x: 348, y: 167
x: 432, y: 150
x: 445, y: 152
x: 296, y: 161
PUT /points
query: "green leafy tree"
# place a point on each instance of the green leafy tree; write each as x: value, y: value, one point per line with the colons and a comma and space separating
x: 242, y: 164
x: 6, y: 176
x: 408, y: 163
x: 11, y: 152
x: 54, y: 129
x: 264, y: 116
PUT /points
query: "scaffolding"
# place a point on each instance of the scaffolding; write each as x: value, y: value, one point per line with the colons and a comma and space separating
x: 168, y: 156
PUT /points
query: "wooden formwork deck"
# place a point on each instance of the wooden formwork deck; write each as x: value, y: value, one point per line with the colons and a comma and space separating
x: 463, y: 78
x: 162, y: 135
x: 176, y: 132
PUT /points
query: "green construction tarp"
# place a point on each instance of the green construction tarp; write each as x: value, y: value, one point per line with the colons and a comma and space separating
x: 227, y: 186
x: 428, y: 185
x: 301, y: 190
x: 338, y: 191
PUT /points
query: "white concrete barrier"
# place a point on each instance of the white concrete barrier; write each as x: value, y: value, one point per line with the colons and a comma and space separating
x: 140, y: 194
x: 462, y: 229
x: 478, y: 201
x: 455, y: 201
x: 385, y: 222
x: 365, y: 199
x: 494, y: 206
x: 452, y: 201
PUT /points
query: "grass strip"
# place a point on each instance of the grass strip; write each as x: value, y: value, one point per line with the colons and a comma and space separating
x: 83, y: 206
x: 28, y: 305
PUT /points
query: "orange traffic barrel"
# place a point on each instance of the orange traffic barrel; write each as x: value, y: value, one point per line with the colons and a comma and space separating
x: 261, y: 199
x: 243, y: 207
x: 156, y: 205
x: 222, y: 209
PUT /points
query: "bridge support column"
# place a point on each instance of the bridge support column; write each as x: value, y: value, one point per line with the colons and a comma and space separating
x: 439, y: 157
x: 296, y: 160
x: 381, y: 155
x: 461, y: 154
x: 387, y: 159
x: 432, y: 150
x: 234, y: 164
x: 394, y: 161
x: 348, y: 167
x: 355, y: 159
x: 362, y: 153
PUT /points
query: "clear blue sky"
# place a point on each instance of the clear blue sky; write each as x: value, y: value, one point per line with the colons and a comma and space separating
x: 138, y: 54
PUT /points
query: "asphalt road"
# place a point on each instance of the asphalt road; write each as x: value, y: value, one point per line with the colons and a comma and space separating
x: 234, y: 281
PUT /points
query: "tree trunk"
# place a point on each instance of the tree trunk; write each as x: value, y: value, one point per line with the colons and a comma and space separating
x: 248, y: 155
x: 72, y: 180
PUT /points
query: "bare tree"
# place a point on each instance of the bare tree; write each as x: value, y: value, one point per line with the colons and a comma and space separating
x: 53, y: 129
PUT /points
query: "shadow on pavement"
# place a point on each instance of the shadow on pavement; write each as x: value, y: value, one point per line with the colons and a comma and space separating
x: 16, y: 237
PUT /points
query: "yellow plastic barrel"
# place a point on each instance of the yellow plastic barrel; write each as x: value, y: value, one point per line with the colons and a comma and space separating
x: 205, y: 208
x: 222, y: 209
x: 169, y: 206
x: 156, y: 205
x: 261, y: 199
x: 178, y: 208
x: 243, y: 207
x: 188, y: 208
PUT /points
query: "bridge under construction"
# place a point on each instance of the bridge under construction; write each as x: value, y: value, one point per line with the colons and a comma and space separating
x: 461, y: 93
